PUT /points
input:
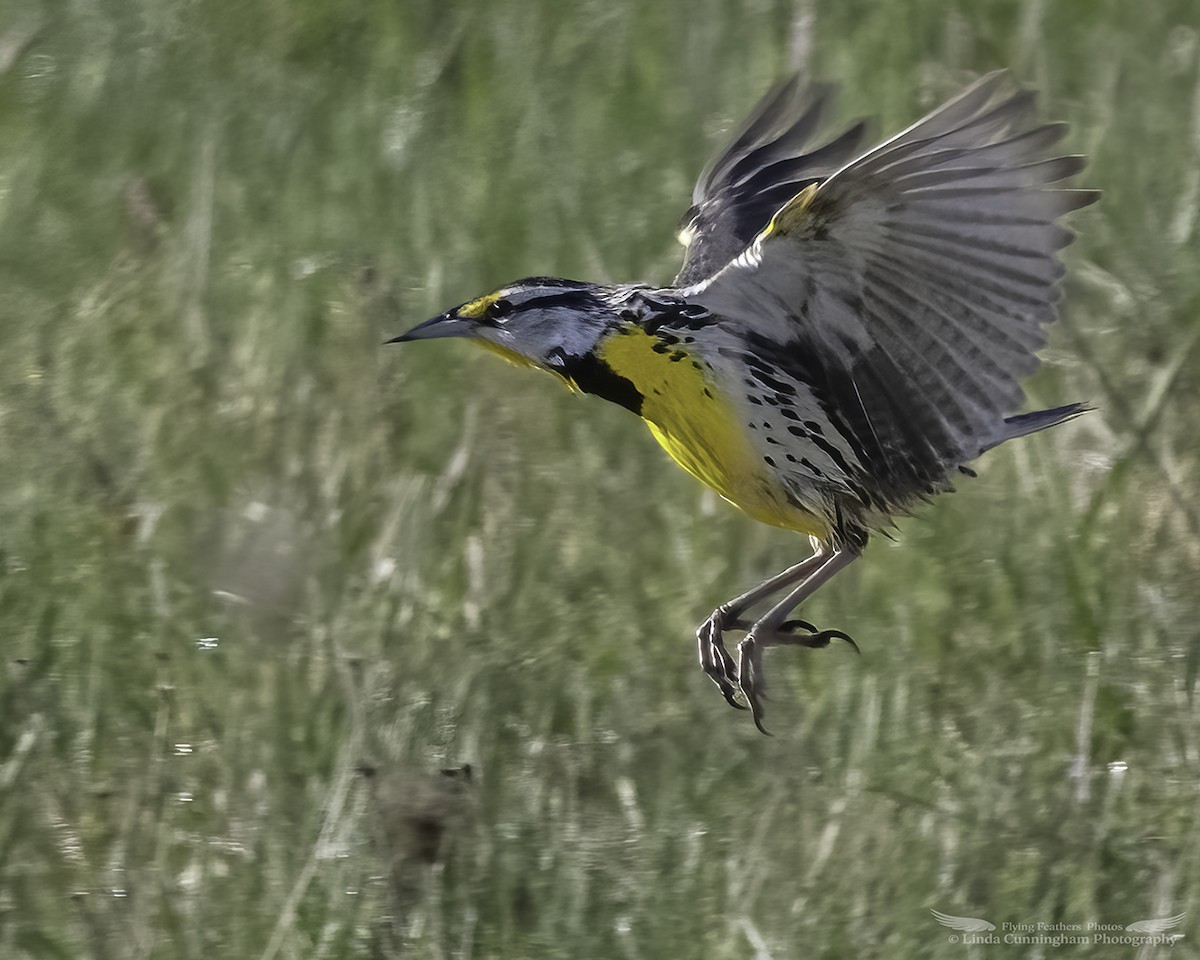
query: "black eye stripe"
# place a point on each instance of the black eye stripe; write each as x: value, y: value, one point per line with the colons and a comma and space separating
x: 575, y: 298
x: 497, y: 309
x: 500, y: 309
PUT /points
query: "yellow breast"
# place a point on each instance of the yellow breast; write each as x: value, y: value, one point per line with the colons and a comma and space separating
x: 700, y: 428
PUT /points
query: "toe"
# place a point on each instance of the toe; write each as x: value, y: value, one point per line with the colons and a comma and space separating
x: 716, y: 661
x: 750, y: 678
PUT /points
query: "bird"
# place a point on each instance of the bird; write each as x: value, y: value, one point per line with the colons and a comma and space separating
x: 847, y: 333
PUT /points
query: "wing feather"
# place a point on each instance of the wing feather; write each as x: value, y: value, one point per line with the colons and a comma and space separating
x: 925, y: 272
x: 767, y: 162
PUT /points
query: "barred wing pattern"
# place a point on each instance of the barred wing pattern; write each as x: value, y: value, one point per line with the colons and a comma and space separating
x: 911, y: 288
x: 763, y: 167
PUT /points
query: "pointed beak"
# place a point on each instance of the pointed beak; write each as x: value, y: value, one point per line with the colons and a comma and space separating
x: 447, y: 325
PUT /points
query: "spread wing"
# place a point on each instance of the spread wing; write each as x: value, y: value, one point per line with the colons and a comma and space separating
x: 1159, y: 925
x: 911, y: 288
x: 767, y: 162
x: 966, y: 924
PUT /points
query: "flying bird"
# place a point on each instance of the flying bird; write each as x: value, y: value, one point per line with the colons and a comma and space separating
x: 847, y: 332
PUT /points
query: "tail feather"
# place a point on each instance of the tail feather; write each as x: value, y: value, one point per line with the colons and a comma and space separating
x: 1026, y: 423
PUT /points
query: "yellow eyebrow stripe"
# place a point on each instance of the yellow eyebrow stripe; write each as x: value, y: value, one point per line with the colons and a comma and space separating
x: 476, y: 308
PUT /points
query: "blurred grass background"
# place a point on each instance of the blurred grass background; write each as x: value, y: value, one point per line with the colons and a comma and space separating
x: 260, y: 579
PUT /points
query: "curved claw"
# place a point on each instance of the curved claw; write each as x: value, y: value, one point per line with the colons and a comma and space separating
x: 754, y: 698
x: 750, y: 678
x: 726, y: 688
x: 827, y: 635
x: 817, y: 640
x: 733, y: 701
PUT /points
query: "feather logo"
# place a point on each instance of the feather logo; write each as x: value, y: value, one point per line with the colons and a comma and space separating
x: 965, y: 924
x: 1159, y: 925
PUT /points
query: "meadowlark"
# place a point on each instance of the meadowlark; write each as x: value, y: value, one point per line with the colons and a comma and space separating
x: 846, y: 334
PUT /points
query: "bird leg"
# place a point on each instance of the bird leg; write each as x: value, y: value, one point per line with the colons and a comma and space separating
x: 714, y: 657
x: 774, y: 629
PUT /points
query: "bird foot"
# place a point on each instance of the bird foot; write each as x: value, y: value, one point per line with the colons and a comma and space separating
x: 746, y: 676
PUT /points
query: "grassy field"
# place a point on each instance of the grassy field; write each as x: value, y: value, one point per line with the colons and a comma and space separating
x: 261, y: 579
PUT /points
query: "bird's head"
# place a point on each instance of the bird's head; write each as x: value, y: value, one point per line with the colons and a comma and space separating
x: 540, y: 322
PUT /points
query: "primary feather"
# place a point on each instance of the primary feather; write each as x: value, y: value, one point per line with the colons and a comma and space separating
x: 763, y: 167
